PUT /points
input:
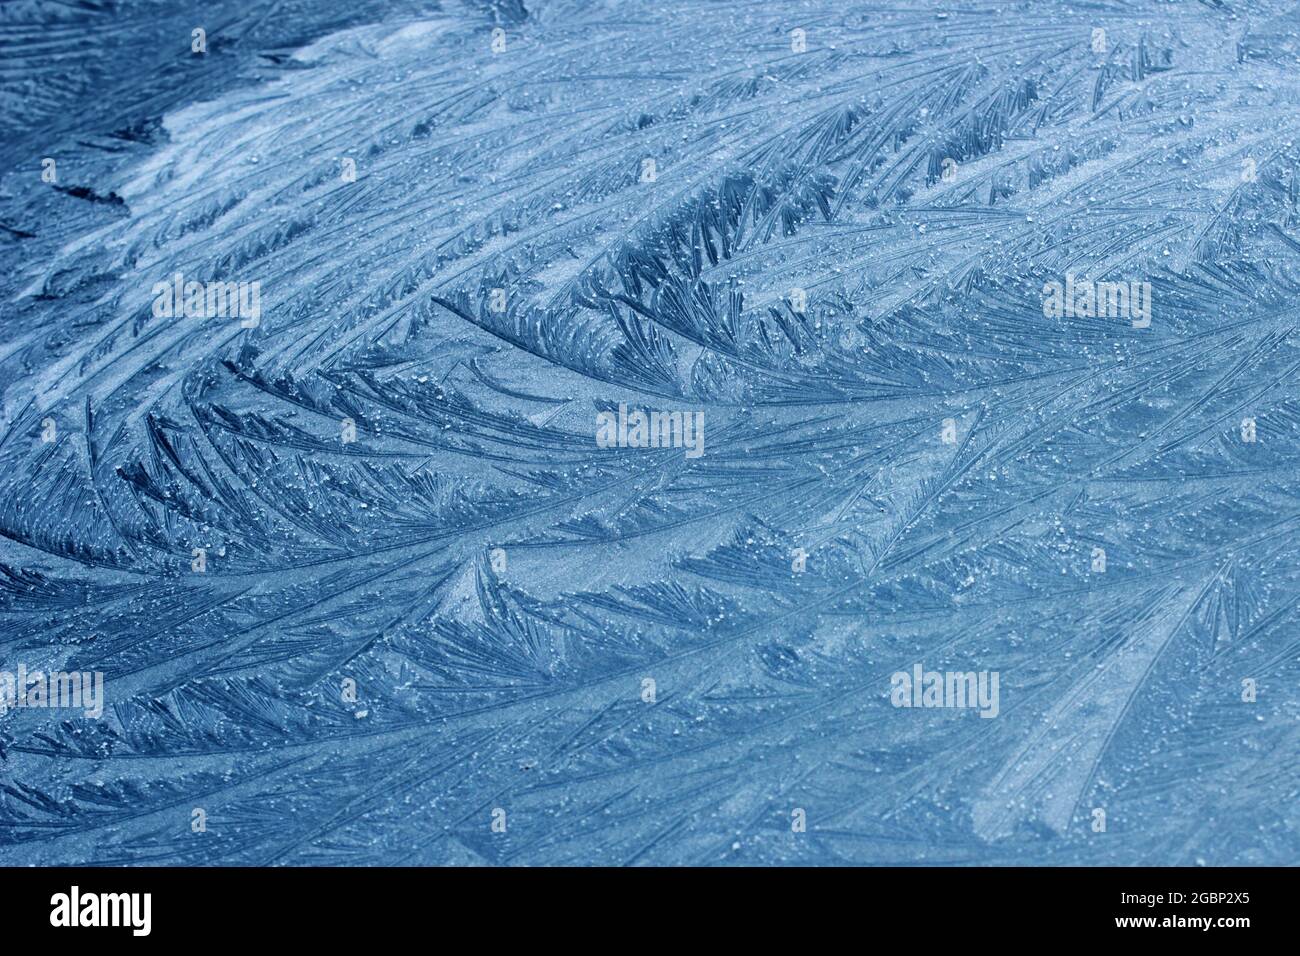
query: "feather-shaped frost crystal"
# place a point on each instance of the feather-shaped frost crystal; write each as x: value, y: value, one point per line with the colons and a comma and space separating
x: 538, y: 433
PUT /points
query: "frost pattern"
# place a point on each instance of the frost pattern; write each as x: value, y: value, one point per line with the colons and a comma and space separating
x: 842, y: 243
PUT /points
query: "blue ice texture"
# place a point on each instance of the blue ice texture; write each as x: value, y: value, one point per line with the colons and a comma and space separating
x: 671, y: 433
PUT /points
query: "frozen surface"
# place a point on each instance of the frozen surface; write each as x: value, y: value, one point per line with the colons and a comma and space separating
x: 946, y: 453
